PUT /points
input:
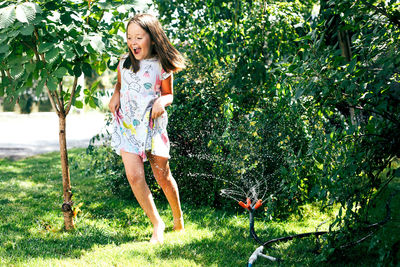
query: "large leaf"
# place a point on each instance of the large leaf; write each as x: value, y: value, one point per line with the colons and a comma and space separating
x: 7, y: 16
x: 4, y: 48
x: 52, y: 55
x: 30, y: 67
x: 60, y: 72
x: 27, y: 30
x: 44, y: 47
x: 78, y: 104
x: 77, y: 70
x: 17, y: 71
x: 39, y: 87
x: 25, y: 12
x: 87, y: 70
x: 52, y: 83
x: 96, y: 43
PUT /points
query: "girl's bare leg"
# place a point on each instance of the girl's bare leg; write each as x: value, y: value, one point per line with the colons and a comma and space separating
x: 135, y: 173
x: 162, y: 173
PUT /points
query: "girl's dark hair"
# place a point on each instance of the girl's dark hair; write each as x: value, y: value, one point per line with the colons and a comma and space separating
x: 170, y: 58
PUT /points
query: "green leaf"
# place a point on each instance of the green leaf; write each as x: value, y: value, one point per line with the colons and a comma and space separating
x: 44, y: 47
x: 94, y: 86
x: 52, y: 83
x: 87, y: 70
x: 27, y: 30
x: 77, y: 70
x: 66, y: 18
x: 4, y: 48
x: 60, y: 72
x: 30, y: 67
x: 16, y: 71
x: 29, y: 10
x: 78, y: 104
x: 7, y: 16
x: 352, y: 65
x: 24, y: 14
x: 92, y: 103
x: 68, y: 52
x: 39, y: 87
x: 97, y: 43
x: 105, y: 5
x: 52, y: 55
x: 35, y: 6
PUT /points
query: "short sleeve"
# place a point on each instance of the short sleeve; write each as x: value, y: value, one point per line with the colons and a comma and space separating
x: 122, y: 60
x: 164, y: 74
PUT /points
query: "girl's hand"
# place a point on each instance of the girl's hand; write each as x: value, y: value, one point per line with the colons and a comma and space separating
x: 114, y: 103
x: 158, y: 108
x: 164, y: 100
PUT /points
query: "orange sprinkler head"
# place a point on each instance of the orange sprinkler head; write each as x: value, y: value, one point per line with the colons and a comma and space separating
x: 243, y: 205
x: 258, y: 204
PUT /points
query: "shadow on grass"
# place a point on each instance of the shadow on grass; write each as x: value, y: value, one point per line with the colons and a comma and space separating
x: 33, y: 225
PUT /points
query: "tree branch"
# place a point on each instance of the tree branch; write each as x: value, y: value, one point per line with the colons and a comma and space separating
x: 72, y: 96
x: 60, y: 107
x: 60, y: 88
x: 8, y: 74
x: 51, y: 97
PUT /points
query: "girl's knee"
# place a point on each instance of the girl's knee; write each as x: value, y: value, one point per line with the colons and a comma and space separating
x: 165, y: 180
x: 135, y: 178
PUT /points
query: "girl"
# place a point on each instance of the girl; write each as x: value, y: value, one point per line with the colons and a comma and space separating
x: 143, y: 90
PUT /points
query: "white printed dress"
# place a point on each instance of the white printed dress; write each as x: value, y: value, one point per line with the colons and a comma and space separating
x: 134, y: 130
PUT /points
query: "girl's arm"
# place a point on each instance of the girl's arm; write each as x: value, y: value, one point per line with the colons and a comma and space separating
x: 165, y: 99
x: 115, y: 99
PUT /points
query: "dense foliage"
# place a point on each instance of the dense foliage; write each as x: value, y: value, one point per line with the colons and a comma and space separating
x: 305, y: 100
x: 43, y: 42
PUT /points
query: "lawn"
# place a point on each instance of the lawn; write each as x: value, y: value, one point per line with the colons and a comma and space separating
x: 111, y: 231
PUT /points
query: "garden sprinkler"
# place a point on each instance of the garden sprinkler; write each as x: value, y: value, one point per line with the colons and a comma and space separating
x: 259, y: 251
x: 254, y: 189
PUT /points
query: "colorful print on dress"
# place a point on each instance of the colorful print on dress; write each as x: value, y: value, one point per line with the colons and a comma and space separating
x: 129, y: 127
x: 132, y: 81
x: 147, y: 86
x: 134, y: 130
x: 164, y: 138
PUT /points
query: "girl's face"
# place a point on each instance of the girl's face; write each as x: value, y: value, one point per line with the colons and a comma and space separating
x: 139, y: 42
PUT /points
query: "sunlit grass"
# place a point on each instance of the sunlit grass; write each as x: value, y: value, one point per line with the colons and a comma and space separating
x: 114, y: 232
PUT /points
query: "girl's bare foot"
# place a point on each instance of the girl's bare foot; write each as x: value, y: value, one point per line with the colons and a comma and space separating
x: 178, y: 224
x: 158, y: 234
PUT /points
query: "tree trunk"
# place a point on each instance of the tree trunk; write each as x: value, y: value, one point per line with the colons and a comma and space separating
x: 344, y: 40
x: 67, y: 205
x: 345, y: 46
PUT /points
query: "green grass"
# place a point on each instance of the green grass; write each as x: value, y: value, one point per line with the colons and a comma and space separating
x: 114, y: 232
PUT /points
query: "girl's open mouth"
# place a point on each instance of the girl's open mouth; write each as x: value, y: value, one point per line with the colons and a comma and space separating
x: 136, y: 50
